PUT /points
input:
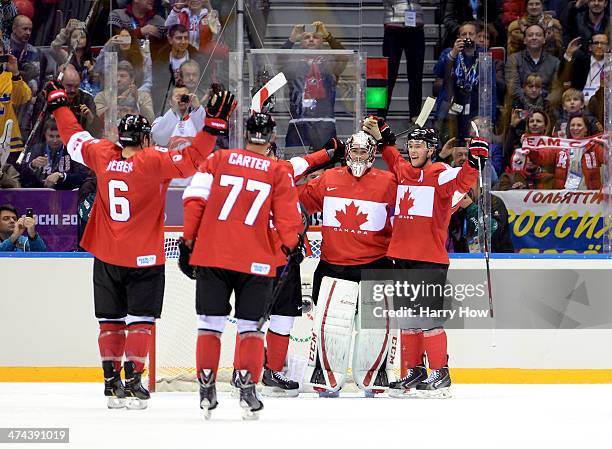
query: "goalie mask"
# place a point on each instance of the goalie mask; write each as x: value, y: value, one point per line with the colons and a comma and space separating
x: 260, y: 128
x: 360, y: 152
x: 133, y: 129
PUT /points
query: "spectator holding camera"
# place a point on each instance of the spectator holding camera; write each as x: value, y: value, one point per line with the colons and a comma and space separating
x: 537, y: 123
x: 12, y: 231
x: 48, y: 164
x: 130, y: 100
x: 312, y: 81
x: 75, y: 37
x: 533, y: 59
x: 182, y: 119
x: 128, y: 49
x: 458, y: 101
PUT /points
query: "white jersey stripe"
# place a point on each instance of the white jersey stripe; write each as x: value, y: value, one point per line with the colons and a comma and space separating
x: 448, y: 175
x: 75, y: 145
x: 200, y: 186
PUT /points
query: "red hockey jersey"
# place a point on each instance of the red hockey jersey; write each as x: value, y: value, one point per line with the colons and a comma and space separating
x: 423, y: 204
x: 356, y: 214
x: 298, y: 165
x: 126, y: 225
x: 228, y: 207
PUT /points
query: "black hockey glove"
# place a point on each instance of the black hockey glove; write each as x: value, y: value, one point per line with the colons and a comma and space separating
x: 336, y: 149
x: 478, y: 153
x: 56, y: 95
x: 295, y: 255
x: 387, y: 136
x: 220, y: 106
x: 183, y: 260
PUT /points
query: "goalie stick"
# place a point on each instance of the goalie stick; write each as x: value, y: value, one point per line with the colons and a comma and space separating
x: 292, y: 264
x: 60, y: 76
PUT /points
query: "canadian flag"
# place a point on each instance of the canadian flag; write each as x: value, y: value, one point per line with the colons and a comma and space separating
x: 414, y: 200
x: 354, y: 214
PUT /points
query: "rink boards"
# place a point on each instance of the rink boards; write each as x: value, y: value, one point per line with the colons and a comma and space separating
x: 49, y: 332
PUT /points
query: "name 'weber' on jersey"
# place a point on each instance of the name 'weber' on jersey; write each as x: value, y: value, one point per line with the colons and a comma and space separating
x: 228, y: 207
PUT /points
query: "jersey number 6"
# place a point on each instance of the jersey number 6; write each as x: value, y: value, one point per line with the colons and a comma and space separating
x: 119, y: 205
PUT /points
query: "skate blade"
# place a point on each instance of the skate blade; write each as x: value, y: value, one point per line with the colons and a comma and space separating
x: 401, y: 393
x: 114, y: 402
x: 371, y: 393
x: 136, y: 404
x: 205, y: 406
x: 275, y: 392
x: 329, y: 394
x: 441, y: 393
x: 247, y: 413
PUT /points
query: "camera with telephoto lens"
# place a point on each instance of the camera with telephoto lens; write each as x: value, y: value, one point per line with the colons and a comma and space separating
x: 185, y: 98
x: 468, y: 43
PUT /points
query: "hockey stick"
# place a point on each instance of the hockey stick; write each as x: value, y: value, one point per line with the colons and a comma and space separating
x: 422, y: 118
x: 481, y: 204
x: 269, y: 89
x: 60, y: 76
x: 282, y: 279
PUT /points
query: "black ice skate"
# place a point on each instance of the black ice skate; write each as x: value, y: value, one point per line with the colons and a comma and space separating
x: 437, y: 385
x: 277, y: 385
x: 249, y: 399
x: 208, y: 392
x: 113, y: 387
x: 406, y: 386
x: 137, y: 396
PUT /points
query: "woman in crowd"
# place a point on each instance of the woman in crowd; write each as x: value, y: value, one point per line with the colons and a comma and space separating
x: 128, y: 49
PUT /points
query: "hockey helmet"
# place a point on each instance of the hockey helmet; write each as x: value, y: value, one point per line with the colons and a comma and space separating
x: 359, y: 164
x: 260, y: 127
x: 427, y: 135
x: 133, y: 128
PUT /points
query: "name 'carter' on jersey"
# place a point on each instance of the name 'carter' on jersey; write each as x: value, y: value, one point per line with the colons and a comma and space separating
x: 228, y: 207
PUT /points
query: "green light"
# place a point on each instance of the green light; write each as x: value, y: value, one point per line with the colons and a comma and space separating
x: 376, y: 97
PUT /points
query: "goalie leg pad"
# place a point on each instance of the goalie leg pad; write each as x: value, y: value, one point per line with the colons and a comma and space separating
x: 373, y: 351
x: 332, y: 334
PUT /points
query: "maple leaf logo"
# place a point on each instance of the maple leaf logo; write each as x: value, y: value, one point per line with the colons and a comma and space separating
x: 406, y: 204
x: 350, y: 217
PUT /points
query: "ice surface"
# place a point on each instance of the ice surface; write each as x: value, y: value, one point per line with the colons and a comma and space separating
x: 478, y: 416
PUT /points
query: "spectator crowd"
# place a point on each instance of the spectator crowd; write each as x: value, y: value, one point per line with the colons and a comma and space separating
x: 547, y: 72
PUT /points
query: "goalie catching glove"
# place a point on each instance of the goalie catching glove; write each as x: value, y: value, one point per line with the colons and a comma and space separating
x: 219, y: 108
x: 183, y: 260
x: 55, y: 95
x: 478, y: 153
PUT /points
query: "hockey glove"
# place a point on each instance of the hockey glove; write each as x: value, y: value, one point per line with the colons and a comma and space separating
x: 387, y: 136
x: 478, y: 153
x: 55, y: 95
x: 336, y: 149
x: 220, y: 106
x: 183, y: 260
x: 295, y: 255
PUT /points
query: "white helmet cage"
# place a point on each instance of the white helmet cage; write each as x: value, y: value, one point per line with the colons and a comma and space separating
x: 359, y: 165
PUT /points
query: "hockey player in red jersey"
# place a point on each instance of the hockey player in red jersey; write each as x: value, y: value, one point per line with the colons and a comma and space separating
x: 356, y: 202
x: 426, y: 195
x: 125, y: 231
x: 260, y: 129
x: 228, y: 207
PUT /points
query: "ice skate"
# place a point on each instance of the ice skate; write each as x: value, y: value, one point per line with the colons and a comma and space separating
x: 137, y: 396
x: 249, y: 399
x: 406, y: 386
x: 276, y: 384
x: 113, y: 387
x: 437, y: 385
x: 208, y: 392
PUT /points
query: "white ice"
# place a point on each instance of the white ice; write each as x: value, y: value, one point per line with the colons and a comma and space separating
x: 478, y: 416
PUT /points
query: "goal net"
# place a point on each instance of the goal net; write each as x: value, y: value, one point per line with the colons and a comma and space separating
x: 172, y: 355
